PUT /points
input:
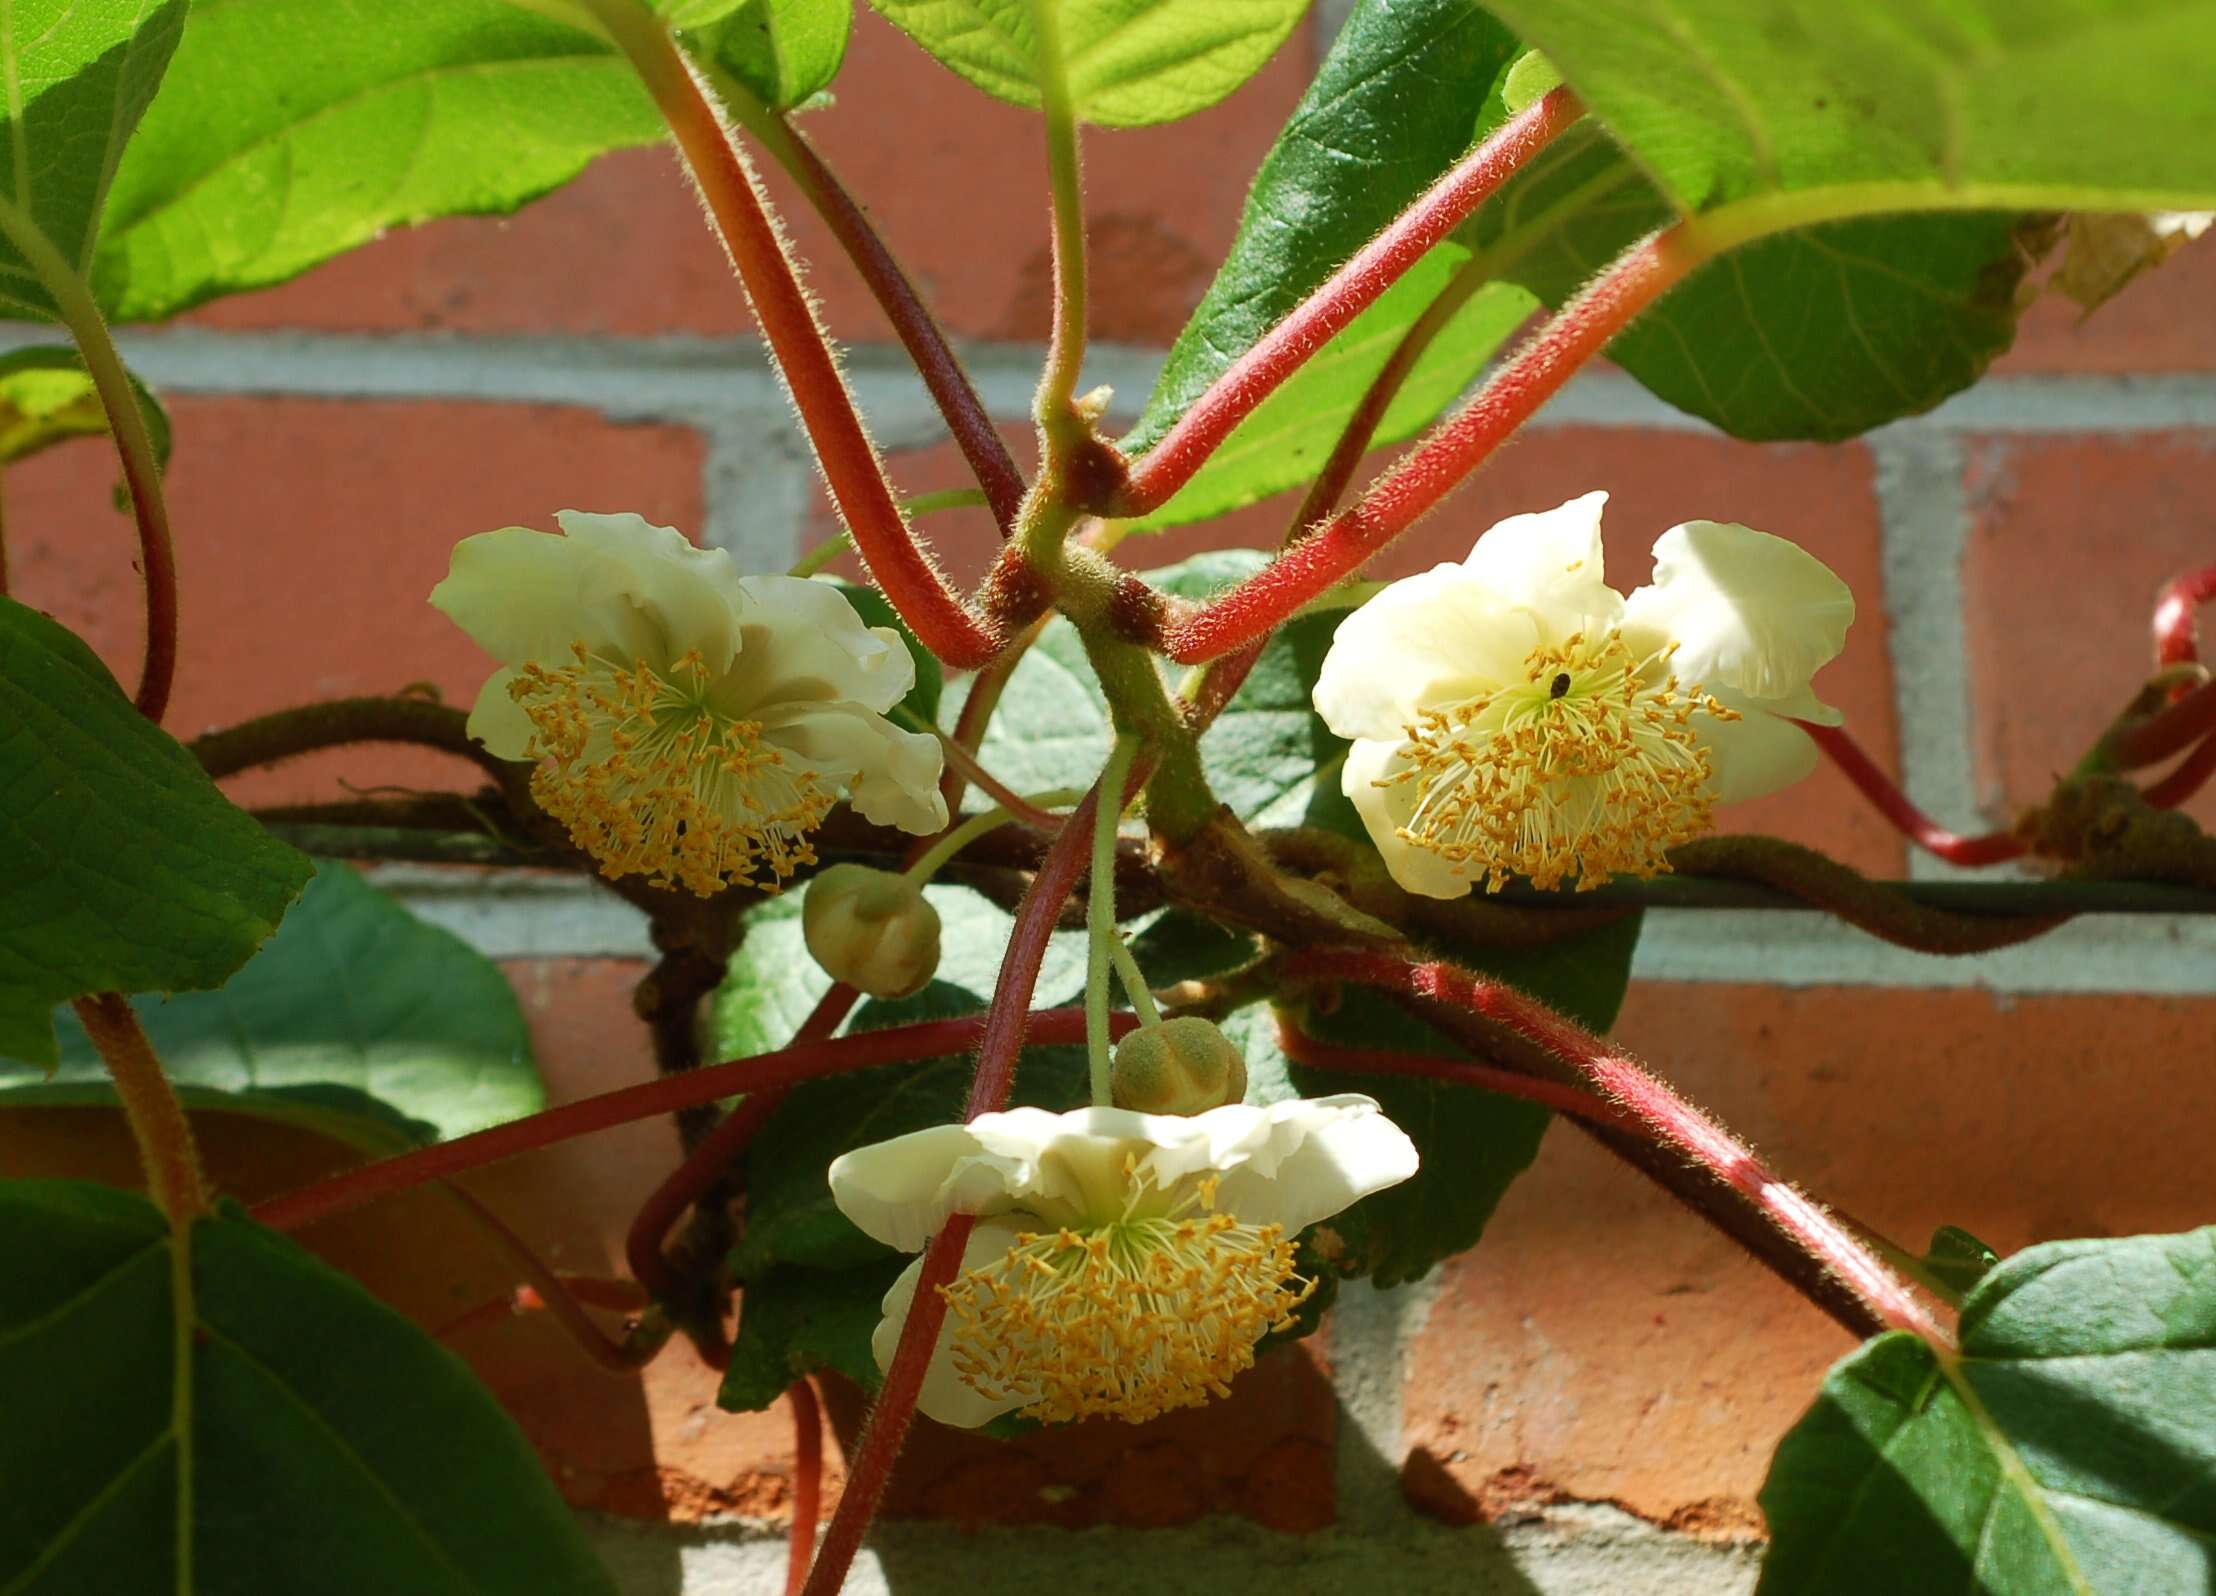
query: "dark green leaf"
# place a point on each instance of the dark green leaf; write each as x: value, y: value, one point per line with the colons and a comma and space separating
x: 46, y: 398
x: 127, y: 871
x: 288, y: 131
x: 2067, y: 1449
x: 793, y: 1322
x: 1392, y: 107
x: 334, y: 1450
x: 79, y: 76
x: 1892, y: 105
x: 1957, y: 1260
x: 923, y: 698
x: 784, y: 51
x: 1128, y: 62
x: 356, y: 1019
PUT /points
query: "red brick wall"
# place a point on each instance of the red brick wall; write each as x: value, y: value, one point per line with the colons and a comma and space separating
x: 334, y: 436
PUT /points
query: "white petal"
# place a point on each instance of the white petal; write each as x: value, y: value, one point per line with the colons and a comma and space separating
x: 1315, y: 1157
x: 945, y: 1396
x: 1427, y: 640
x: 1748, y: 611
x: 900, y: 1191
x: 1548, y: 559
x: 1384, y: 810
x: 498, y: 721
x: 516, y: 592
x: 688, y: 599
x: 804, y: 642
x: 1755, y: 754
x: 891, y: 775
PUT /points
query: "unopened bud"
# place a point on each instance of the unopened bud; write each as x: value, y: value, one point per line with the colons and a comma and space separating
x: 871, y: 929
x: 1182, y: 1066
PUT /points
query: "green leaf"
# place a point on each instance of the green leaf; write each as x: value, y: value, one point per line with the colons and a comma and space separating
x: 127, y: 871
x: 1820, y: 333
x: 1051, y: 728
x: 793, y: 1322
x: 288, y: 131
x: 1956, y: 1260
x: 1129, y: 62
x: 1289, y: 436
x: 923, y: 698
x: 1894, y: 105
x: 355, y: 1019
x: 78, y: 78
x: 785, y: 51
x: 46, y: 397
x: 1473, y: 1143
x: 323, y: 1444
x: 2067, y: 1450
x: 1392, y: 107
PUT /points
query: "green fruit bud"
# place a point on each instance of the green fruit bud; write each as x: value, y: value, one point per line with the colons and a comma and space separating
x: 1182, y: 1066
x: 871, y: 929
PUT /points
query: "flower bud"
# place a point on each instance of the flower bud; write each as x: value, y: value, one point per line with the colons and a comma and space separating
x: 871, y: 929
x: 1182, y: 1066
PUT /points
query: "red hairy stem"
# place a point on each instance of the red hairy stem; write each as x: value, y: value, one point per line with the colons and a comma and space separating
x: 769, y: 1072
x: 1302, y: 1048
x: 870, y: 1469
x: 166, y: 1150
x: 1352, y: 289
x: 1008, y: 1024
x: 552, y: 1291
x: 1220, y: 681
x: 1993, y: 847
x: 961, y: 759
x: 800, y: 1549
x: 1671, y: 1120
x: 2189, y: 776
x: 716, y: 1152
x: 2176, y: 632
x: 2166, y: 732
x: 865, y: 501
x: 1437, y: 465
x: 949, y: 385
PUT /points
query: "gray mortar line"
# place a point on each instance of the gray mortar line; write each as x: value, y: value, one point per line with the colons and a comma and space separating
x: 1371, y: 1331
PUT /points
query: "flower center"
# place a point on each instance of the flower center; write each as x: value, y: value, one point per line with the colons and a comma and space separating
x: 1132, y: 1318
x: 1584, y: 769
x: 650, y: 780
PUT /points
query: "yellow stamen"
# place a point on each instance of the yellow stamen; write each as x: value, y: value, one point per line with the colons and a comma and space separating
x: 650, y: 780
x: 1587, y: 768
x: 1132, y: 1318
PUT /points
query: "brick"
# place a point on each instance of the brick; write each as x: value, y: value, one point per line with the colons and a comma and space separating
x: 2159, y: 322
x: 955, y: 181
x: 1603, y: 1344
x: 308, y: 534
x: 1819, y: 496
x: 2069, y: 540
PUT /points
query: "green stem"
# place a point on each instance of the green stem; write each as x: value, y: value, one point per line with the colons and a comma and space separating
x: 1058, y: 383
x: 935, y: 857
x: 134, y: 446
x: 1134, y: 982
x: 821, y: 555
x: 1100, y: 914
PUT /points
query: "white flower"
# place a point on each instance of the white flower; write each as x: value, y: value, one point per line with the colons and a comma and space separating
x: 1123, y: 1263
x: 688, y: 723
x: 1514, y: 714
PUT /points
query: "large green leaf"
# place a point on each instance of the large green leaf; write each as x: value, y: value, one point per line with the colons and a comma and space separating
x: 1823, y: 332
x: 78, y: 76
x: 126, y: 870
x: 1289, y: 436
x: 1128, y: 62
x: 356, y: 1019
x: 1393, y: 105
x: 47, y: 397
x: 290, y: 130
x: 316, y: 1445
x: 2068, y: 1449
x: 793, y: 1322
x: 1892, y: 105
x: 784, y: 51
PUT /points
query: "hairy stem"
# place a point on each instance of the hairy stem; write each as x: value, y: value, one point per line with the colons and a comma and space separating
x: 1302, y: 1048
x: 1439, y: 464
x: 289, y: 733
x: 158, y: 1125
x: 1911, y: 822
x: 2176, y: 629
x: 901, y: 567
x: 977, y: 709
x: 1054, y: 407
x: 134, y: 447
x: 1357, y: 285
x: 2166, y: 732
x: 553, y: 1292
x: 1100, y: 918
x: 800, y: 1548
